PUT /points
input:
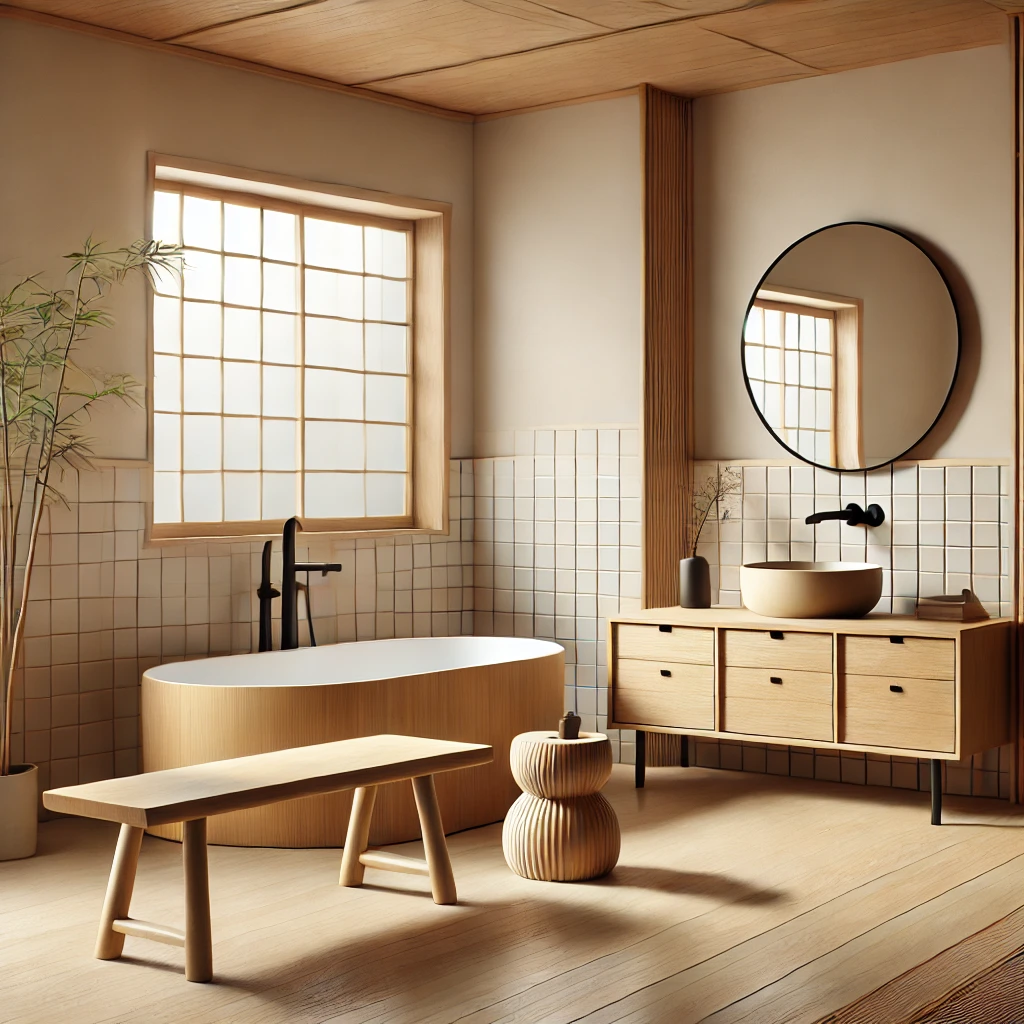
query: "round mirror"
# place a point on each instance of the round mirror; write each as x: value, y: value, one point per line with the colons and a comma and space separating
x: 851, y: 344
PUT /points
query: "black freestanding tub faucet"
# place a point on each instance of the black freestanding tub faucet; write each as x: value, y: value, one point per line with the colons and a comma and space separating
x: 289, y: 589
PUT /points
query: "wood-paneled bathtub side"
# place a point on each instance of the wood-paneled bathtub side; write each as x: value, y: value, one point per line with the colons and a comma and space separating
x: 186, y: 724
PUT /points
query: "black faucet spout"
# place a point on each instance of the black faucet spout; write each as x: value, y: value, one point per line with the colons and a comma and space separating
x: 289, y: 584
x: 853, y: 514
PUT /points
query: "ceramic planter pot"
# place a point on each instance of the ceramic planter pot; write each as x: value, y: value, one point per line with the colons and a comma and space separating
x: 19, y: 800
x: 694, y: 583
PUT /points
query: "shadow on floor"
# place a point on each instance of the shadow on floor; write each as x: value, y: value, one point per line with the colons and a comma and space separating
x: 690, y: 883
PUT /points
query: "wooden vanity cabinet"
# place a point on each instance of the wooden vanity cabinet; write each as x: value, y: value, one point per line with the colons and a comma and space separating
x: 887, y: 684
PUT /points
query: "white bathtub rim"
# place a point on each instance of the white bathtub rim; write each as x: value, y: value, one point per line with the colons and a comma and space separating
x: 315, y: 664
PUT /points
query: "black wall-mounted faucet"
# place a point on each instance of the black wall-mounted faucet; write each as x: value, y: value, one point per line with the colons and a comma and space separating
x: 853, y: 514
x: 290, y: 587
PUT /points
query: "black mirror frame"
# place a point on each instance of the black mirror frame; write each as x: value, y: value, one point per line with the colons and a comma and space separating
x: 959, y: 343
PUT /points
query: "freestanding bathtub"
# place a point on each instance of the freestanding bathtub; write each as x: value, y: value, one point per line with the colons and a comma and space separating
x: 474, y: 689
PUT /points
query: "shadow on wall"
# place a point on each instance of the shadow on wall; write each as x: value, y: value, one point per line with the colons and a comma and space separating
x: 970, y: 351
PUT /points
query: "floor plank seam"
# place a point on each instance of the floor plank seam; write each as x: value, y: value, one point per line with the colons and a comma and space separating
x: 868, y: 931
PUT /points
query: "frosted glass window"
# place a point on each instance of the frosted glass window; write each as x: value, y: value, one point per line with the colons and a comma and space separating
x: 280, y: 338
x: 385, y: 447
x: 280, y: 499
x: 201, y: 442
x: 202, y: 497
x: 386, y: 348
x: 281, y: 364
x: 167, y: 217
x: 166, y: 324
x: 241, y: 496
x: 166, y: 384
x: 280, y: 235
x: 336, y: 495
x: 242, y: 229
x: 329, y: 243
x: 242, y: 388
x: 202, y: 275
x: 279, y: 439
x: 202, y: 328
x: 385, y: 494
x: 200, y: 222
x: 241, y: 281
x: 241, y: 443
x: 334, y: 394
x: 279, y: 398
x: 280, y: 287
x: 335, y: 445
x: 385, y: 398
x: 200, y: 387
x: 336, y: 343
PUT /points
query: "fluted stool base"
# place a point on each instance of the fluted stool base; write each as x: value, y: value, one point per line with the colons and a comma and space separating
x: 561, y: 829
x: 561, y: 840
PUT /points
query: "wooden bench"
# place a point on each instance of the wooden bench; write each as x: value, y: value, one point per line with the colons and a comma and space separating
x: 189, y: 795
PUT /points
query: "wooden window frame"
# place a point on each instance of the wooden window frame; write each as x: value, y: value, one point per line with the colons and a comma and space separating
x: 429, y: 397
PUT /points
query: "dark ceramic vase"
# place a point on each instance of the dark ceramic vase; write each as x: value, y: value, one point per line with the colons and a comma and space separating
x: 694, y: 583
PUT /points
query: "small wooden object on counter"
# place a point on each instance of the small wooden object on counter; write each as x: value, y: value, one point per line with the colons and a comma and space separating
x: 962, y: 607
x: 561, y: 829
x: 887, y: 684
x: 191, y: 794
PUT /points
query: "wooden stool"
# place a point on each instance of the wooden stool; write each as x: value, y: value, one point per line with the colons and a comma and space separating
x: 561, y: 829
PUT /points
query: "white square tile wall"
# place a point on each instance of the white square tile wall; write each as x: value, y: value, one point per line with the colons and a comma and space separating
x: 543, y: 542
x: 104, y: 607
x: 946, y: 528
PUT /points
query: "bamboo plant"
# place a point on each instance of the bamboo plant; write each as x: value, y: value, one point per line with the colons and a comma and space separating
x: 46, y: 400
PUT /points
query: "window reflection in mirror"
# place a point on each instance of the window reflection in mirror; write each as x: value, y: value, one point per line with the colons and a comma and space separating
x: 802, y: 357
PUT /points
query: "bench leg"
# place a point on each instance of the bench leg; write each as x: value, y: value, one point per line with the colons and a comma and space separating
x: 110, y: 944
x: 358, y: 836
x: 198, y: 937
x: 442, y: 881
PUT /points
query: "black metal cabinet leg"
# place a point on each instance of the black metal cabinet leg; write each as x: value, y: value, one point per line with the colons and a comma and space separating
x: 936, y: 791
x: 641, y: 758
x: 684, y: 753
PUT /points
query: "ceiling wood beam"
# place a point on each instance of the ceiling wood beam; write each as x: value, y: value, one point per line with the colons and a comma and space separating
x: 117, y: 36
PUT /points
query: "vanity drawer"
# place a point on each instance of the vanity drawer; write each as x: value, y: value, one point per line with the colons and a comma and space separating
x: 914, y: 658
x: 777, y: 649
x: 912, y: 714
x: 788, y: 703
x: 679, y: 643
x: 672, y: 694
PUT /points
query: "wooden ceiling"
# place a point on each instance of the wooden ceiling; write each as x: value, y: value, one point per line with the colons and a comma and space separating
x: 484, y: 57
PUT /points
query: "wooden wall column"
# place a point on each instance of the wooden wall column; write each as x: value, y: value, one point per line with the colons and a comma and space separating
x: 666, y: 400
x: 1017, y: 36
x: 666, y: 416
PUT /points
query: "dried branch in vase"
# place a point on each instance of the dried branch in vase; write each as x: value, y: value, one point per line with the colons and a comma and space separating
x: 708, y: 499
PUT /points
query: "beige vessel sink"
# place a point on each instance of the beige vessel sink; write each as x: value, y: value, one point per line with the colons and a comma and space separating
x: 811, y: 590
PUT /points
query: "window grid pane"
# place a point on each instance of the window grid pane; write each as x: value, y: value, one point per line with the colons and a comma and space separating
x: 241, y: 334
x: 788, y: 357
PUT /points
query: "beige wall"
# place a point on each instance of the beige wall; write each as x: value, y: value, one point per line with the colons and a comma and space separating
x: 558, y: 270
x: 78, y: 115
x: 923, y: 145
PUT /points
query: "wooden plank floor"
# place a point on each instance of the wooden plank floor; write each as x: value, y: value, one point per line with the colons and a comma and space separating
x: 738, y: 897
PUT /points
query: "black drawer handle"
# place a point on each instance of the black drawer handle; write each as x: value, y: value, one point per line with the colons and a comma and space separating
x: 896, y: 689
x: 895, y: 639
x: 775, y: 634
x: 665, y: 672
x: 665, y: 629
x: 775, y: 679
